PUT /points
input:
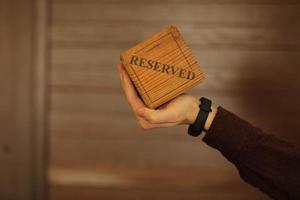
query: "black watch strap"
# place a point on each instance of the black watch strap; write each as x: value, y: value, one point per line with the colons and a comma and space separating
x: 197, y: 127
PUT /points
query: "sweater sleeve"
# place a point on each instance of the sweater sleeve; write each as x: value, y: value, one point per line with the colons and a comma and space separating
x: 262, y: 160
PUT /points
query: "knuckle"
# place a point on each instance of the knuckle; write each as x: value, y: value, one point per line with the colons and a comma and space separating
x: 152, y: 118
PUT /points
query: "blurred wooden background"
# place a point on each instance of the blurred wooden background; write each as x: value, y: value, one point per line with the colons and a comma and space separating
x: 248, y: 49
x: 250, y: 53
x: 22, y: 99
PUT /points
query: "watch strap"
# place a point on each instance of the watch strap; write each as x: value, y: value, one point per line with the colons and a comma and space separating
x: 197, y: 127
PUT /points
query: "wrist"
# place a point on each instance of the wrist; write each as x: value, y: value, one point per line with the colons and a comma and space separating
x: 210, y: 118
x: 194, y: 110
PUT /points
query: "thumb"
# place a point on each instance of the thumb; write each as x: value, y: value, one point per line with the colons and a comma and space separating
x: 157, y: 116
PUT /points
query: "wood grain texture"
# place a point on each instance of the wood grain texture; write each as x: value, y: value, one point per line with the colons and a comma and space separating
x: 21, y: 154
x: 162, y: 67
x: 220, y: 2
x: 40, y: 99
x: 15, y: 38
x: 84, y: 72
x: 201, y: 35
x: 249, y: 52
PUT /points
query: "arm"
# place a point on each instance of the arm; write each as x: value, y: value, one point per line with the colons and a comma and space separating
x: 262, y: 160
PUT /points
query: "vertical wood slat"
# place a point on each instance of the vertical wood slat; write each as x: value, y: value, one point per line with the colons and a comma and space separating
x: 16, y: 45
x: 22, y: 99
x: 40, y: 60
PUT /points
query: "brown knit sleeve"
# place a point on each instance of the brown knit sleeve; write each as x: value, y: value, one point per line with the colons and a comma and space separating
x: 262, y: 160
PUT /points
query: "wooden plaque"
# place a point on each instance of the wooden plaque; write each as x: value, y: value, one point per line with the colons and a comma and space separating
x: 162, y: 67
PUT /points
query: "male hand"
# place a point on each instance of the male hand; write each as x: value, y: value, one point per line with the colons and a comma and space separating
x: 181, y: 110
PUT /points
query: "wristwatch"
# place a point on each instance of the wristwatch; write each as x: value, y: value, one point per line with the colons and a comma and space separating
x: 197, y: 127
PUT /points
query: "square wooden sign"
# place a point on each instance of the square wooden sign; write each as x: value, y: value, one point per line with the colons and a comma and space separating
x: 162, y: 67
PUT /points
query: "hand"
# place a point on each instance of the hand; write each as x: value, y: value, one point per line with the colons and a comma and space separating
x: 181, y: 110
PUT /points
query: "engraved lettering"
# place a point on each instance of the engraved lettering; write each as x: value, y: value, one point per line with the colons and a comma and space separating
x: 156, y: 66
x: 134, y: 60
x: 165, y: 69
x: 150, y: 64
x: 174, y: 70
x: 162, y: 68
x: 182, y: 73
x: 142, y: 62
x: 191, y: 75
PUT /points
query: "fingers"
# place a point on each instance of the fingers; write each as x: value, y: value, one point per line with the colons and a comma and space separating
x: 129, y: 90
x: 127, y: 85
x: 158, y: 116
x: 146, y: 125
x: 147, y: 118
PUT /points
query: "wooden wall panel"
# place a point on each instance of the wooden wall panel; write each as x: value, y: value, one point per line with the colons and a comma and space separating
x: 15, y: 38
x: 249, y: 51
x: 84, y: 71
x: 99, y: 33
x: 213, y: 13
x: 22, y: 153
